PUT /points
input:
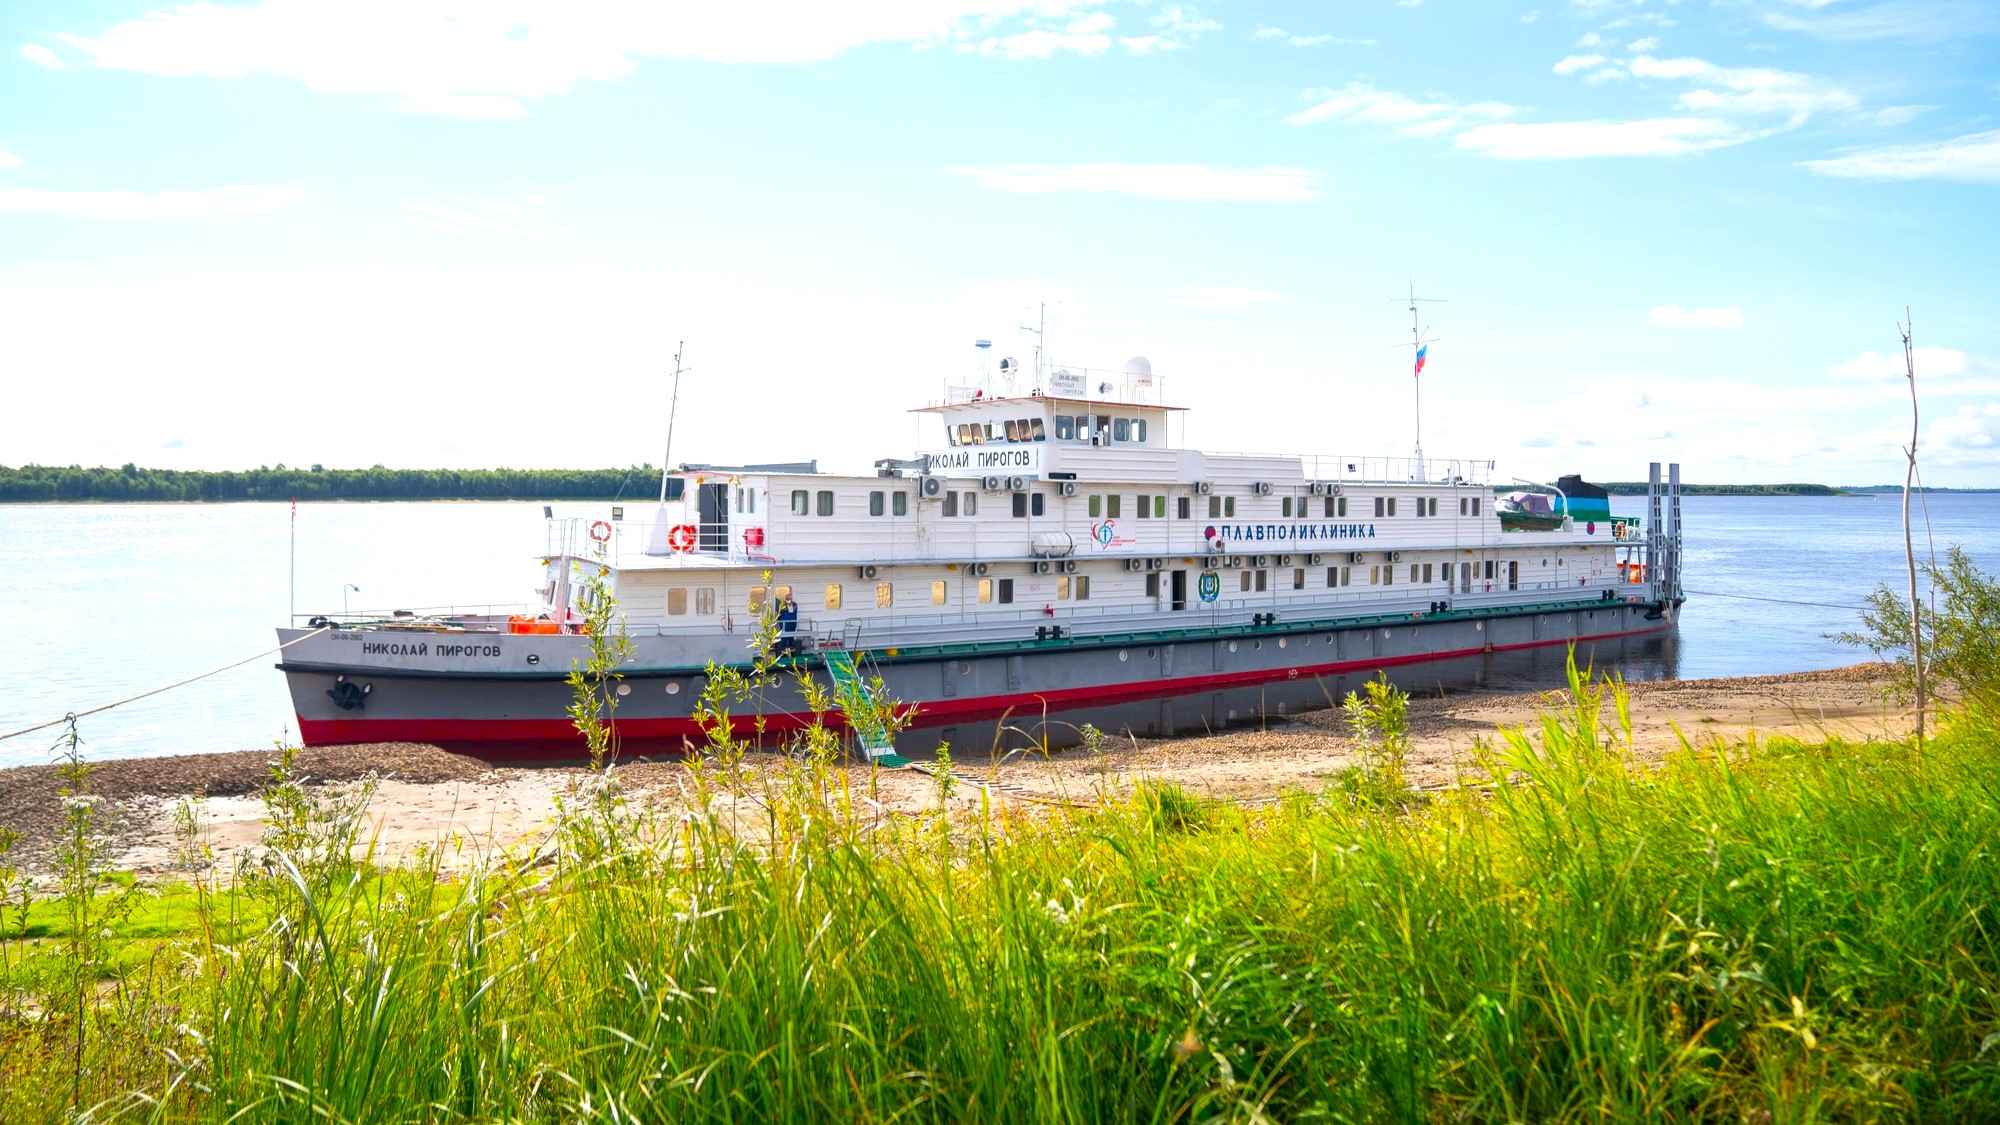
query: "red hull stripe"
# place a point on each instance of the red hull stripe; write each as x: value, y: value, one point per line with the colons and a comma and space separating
x: 936, y: 712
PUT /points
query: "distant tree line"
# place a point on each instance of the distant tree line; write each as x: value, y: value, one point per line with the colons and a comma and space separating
x: 1638, y: 488
x: 276, y: 482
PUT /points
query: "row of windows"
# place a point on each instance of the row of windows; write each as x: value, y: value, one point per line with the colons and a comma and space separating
x: 1013, y: 429
x: 1099, y: 428
x: 1077, y: 587
x: 806, y: 502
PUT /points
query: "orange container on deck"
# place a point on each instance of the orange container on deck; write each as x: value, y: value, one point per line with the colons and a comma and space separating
x: 531, y: 625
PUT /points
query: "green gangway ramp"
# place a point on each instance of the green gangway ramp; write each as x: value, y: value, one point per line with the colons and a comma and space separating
x: 856, y: 704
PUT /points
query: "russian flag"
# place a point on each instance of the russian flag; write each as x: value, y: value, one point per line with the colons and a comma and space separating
x: 1421, y: 352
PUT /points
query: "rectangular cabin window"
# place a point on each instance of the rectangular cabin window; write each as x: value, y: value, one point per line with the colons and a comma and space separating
x: 1514, y: 575
x: 801, y: 502
x: 1288, y: 507
x: 1065, y: 427
x: 1153, y: 584
x: 1243, y: 582
x: 1121, y: 429
x: 825, y: 502
x: 978, y: 434
x: 1020, y: 505
x: 938, y: 592
x: 1431, y: 503
x: 1332, y: 577
x: 985, y: 590
x: 875, y: 506
x: 1096, y: 506
x: 833, y: 595
x: 739, y: 501
x: 1263, y: 580
x: 1038, y: 505
x: 1013, y: 430
x: 1035, y: 427
x: 1298, y: 578
x: 1111, y: 506
x: 755, y: 601
x: 1475, y: 505
x: 1159, y: 507
x: 1215, y: 507
x: 677, y: 601
x: 1183, y: 508
x: 1427, y: 573
x: 1388, y: 576
x: 900, y: 503
x: 1420, y: 507
x: 1465, y: 578
x: 951, y: 503
x: 885, y: 595
x: 704, y: 602
x: 1145, y: 509
x: 971, y: 504
x: 1006, y: 591
x: 1374, y: 576
x: 1381, y: 507
x: 1464, y: 505
x: 1083, y: 430
x: 1062, y: 588
x: 1489, y: 568
x: 1139, y: 429
x: 1414, y: 571
x: 1229, y: 507
x: 1081, y: 587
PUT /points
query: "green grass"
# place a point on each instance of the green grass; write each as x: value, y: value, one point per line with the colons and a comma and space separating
x: 1783, y: 933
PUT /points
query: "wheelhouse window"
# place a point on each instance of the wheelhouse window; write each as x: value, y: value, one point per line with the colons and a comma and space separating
x: 1013, y: 430
x: 1036, y: 430
x: 1065, y: 428
x: 1139, y: 429
x: 1121, y: 429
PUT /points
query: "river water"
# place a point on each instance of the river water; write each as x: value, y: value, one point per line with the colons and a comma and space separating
x: 103, y: 601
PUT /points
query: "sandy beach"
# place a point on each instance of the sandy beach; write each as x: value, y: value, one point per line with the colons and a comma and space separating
x: 432, y: 801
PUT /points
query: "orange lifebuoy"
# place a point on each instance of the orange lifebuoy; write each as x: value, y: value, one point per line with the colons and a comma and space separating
x: 681, y: 538
x: 600, y: 531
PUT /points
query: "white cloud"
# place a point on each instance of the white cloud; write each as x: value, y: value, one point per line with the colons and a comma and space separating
x: 467, y: 56
x: 1562, y: 140
x: 1225, y: 297
x: 1174, y: 28
x: 467, y: 215
x: 8, y: 159
x: 1270, y: 33
x: 1534, y: 16
x: 1674, y: 316
x: 42, y: 56
x: 1749, y: 90
x: 1360, y: 103
x: 1309, y: 40
x: 1971, y: 428
x: 120, y: 205
x: 1156, y: 181
x: 1591, y: 39
x: 1875, y: 365
x: 1641, y: 46
x: 1574, y: 63
x: 1974, y: 158
x: 1917, y: 21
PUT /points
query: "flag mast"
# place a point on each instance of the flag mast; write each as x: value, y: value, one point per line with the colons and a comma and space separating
x: 1419, y: 347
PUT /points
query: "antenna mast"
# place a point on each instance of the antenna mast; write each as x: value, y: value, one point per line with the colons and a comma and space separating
x: 1417, y: 343
x: 673, y: 408
x: 1041, y: 327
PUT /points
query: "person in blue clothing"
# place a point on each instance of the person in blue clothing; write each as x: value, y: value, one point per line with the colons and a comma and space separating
x: 788, y: 624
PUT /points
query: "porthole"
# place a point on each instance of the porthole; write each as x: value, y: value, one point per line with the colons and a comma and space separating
x: 534, y: 659
x: 1257, y: 646
x: 1123, y: 656
x: 624, y: 689
x: 965, y: 667
x: 1232, y: 648
x: 673, y: 687
x: 1329, y: 638
x: 1151, y: 653
x: 1479, y: 626
x: 1385, y: 634
x: 1281, y: 642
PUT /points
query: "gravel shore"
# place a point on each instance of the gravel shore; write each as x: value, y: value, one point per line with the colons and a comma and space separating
x: 425, y: 790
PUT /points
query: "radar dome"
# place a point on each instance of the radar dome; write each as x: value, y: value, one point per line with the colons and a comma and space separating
x: 1140, y: 366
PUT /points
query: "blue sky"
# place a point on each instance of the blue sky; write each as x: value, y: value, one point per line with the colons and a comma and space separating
x: 442, y: 232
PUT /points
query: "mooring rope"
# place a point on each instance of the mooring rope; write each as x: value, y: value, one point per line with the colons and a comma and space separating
x: 75, y: 715
x: 1780, y: 601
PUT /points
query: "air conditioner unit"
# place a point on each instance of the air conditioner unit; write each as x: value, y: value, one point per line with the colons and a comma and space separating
x: 1318, y: 489
x: 1333, y: 490
x: 1395, y: 556
x: 1355, y: 556
x: 868, y: 573
x: 1261, y: 488
x: 1068, y: 566
x: 1041, y: 566
x: 1133, y: 564
x: 1260, y: 560
x: 1017, y: 483
x: 1202, y: 488
x: 1284, y: 560
x: 1156, y: 564
x: 1066, y: 488
x: 1313, y: 560
x: 977, y: 568
x: 990, y: 484
x: 1233, y: 561
x: 932, y: 486
x: 1208, y: 564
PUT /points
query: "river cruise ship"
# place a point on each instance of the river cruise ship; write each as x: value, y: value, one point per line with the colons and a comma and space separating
x: 1055, y: 559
